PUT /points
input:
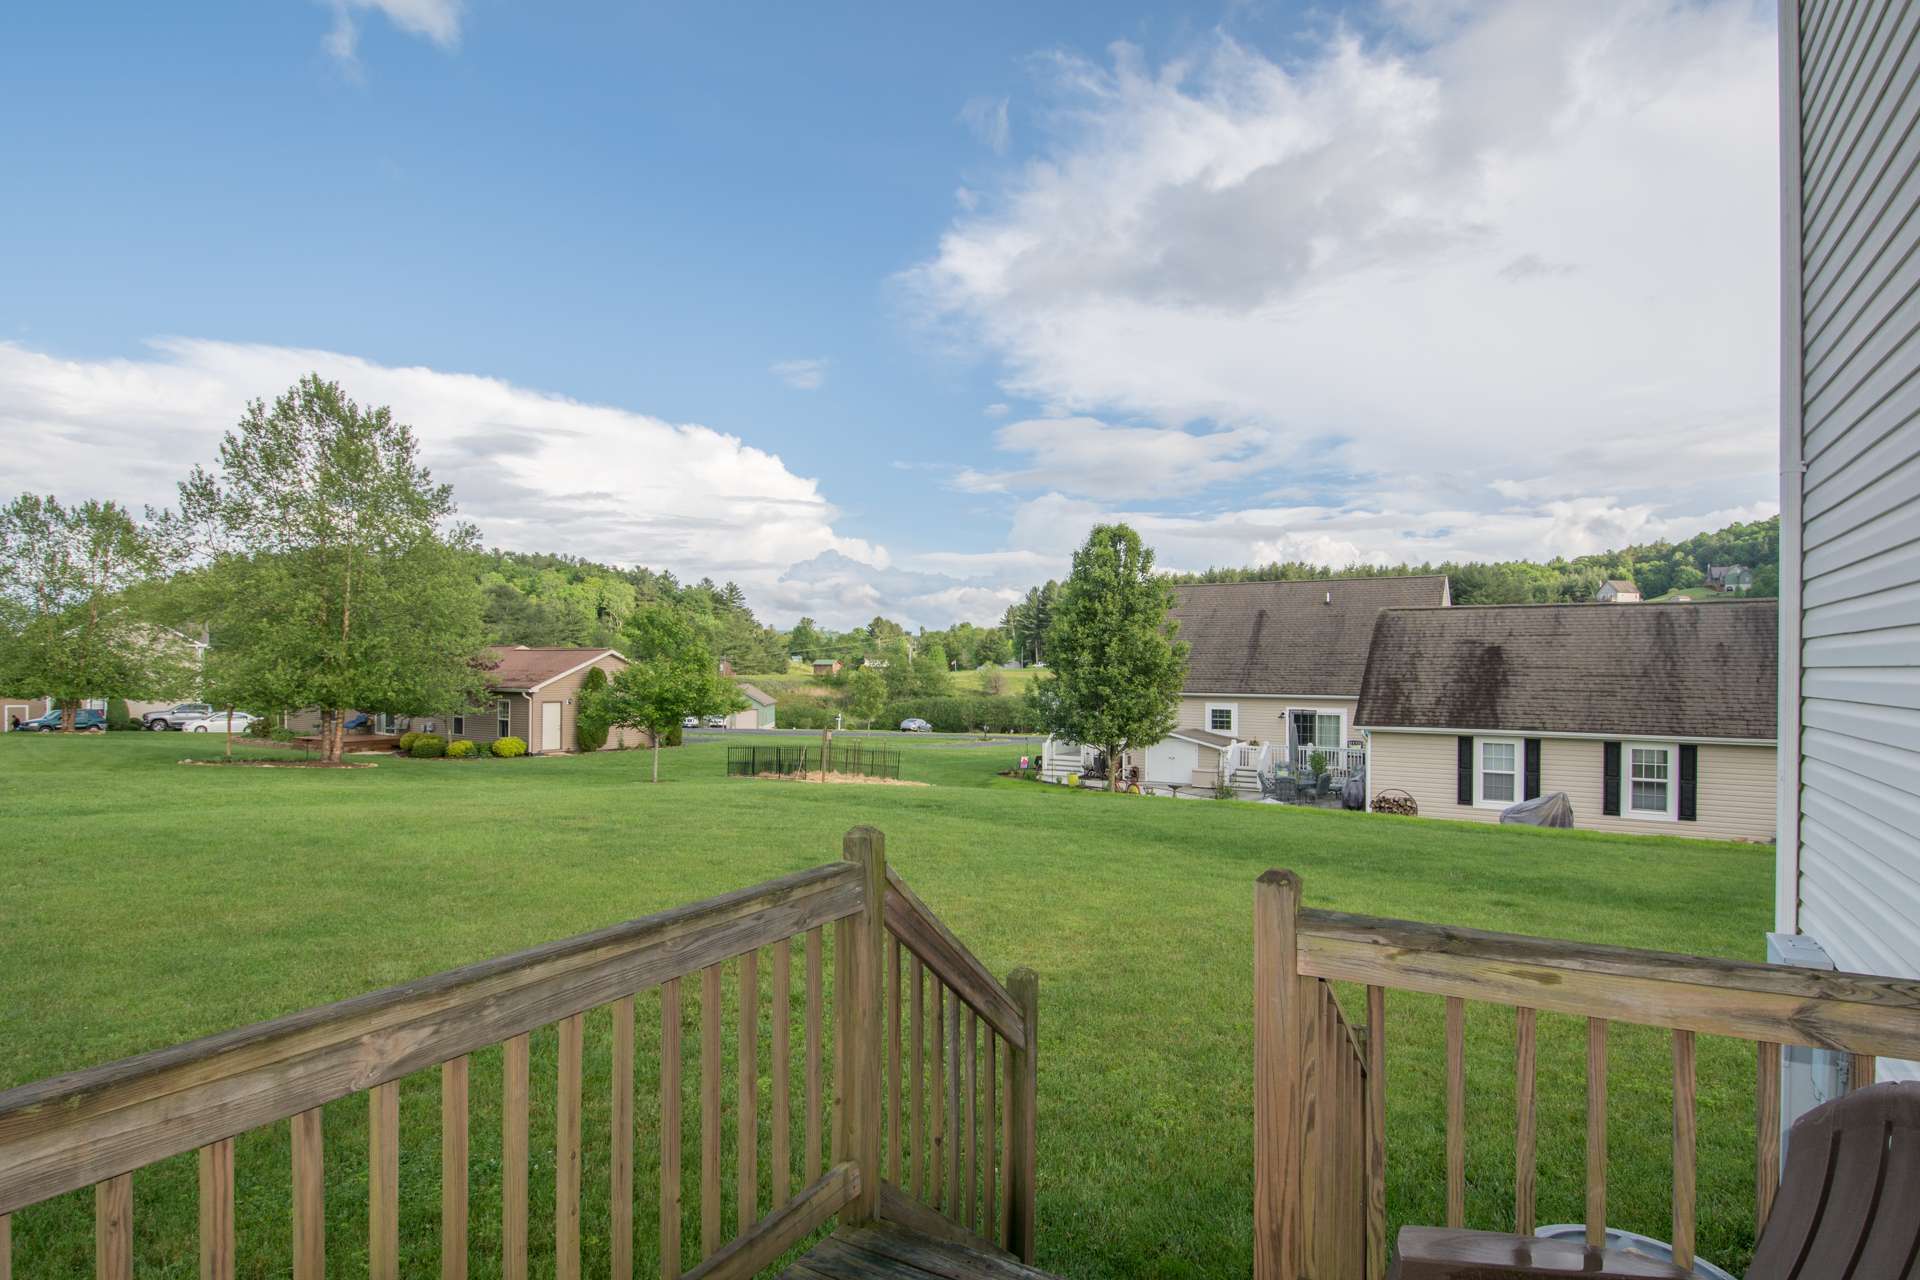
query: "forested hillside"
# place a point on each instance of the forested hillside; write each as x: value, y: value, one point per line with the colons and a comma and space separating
x: 537, y: 599
x: 1656, y: 567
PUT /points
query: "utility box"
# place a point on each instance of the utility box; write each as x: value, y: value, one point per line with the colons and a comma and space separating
x: 1808, y: 1077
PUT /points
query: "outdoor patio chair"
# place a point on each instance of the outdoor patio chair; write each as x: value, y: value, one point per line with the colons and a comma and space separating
x: 1849, y: 1200
x: 1845, y: 1211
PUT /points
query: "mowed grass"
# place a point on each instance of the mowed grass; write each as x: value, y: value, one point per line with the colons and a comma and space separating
x: 143, y: 903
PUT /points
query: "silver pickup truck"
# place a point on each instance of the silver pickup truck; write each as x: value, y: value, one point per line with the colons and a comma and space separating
x: 175, y: 716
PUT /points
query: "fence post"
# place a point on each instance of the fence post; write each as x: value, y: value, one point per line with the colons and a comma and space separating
x: 1276, y: 1077
x: 863, y: 937
x: 1023, y: 1096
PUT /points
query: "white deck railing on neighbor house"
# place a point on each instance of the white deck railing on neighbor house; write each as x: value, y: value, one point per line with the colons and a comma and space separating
x: 1249, y: 755
x: 1341, y: 761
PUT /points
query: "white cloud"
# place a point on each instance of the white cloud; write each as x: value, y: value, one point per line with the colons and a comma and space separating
x: 437, y: 20
x: 987, y: 119
x: 536, y: 472
x: 1093, y: 458
x: 801, y: 375
x: 1508, y: 240
x: 997, y: 409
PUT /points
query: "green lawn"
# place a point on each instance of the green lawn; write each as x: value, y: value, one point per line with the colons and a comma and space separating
x: 142, y: 903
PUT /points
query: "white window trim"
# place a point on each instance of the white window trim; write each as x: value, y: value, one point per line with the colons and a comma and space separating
x: 503, y: 717
x: 1480, y: 798
x: 1233, y: 712
x: 1672, y: 811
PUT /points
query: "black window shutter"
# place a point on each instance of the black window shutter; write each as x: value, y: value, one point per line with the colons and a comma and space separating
x: 1610, y: 779
x: 1689, y: 783
x: 1464, y: 791
x: 1533, y: 769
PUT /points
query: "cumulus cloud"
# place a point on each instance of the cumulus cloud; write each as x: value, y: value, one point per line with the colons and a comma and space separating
x: 536, y: 472
x: 801, y: 375
x: 437, y: 20
x: 1519, y: 241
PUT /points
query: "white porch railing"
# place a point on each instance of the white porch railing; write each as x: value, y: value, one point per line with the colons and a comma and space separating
x: 1340, y: 761
x: 1245, y: 755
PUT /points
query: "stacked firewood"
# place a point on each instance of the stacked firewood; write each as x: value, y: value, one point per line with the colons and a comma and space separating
x: 1396, y: 802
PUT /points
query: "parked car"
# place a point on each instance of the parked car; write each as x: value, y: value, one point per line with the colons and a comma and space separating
x: 691, y: 722
x: 217, y: 723
x: 176, y: 715
x: 914, y: 724
x: 84, y: 722
x: 716, y: 722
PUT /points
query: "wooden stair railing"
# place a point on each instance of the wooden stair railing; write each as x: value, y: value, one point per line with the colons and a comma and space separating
x: 98, y: 1127
x: 960, y: 1136
x: 1299, y: 953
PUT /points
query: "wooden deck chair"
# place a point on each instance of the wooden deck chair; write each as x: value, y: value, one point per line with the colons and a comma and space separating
x: 1849, y: 1201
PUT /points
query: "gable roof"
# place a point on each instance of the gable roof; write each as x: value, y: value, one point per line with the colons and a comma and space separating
x: 1622, y: 584
x: 522, y: 669
x: 1306, y: 637
x: 754, y: 694
x: 1661, y: 670
x: 1204, y: 738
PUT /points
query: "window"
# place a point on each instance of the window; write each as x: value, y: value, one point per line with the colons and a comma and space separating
x: 1650, y: 789
x: 1320, y: 729
x: 1499, y: 773
x: 505, y: 720
x: 459, y: 725
x: 1223, y: 717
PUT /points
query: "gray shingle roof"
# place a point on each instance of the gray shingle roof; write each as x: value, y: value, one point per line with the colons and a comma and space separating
x: 1284, y: 637
x: 1668, y: 670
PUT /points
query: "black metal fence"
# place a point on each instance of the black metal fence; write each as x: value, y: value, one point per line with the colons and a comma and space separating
x: 854, y: 758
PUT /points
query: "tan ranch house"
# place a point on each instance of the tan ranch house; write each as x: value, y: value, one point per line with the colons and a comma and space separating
x: 533, y: 694
x: 1273, y: 674
x: 1654, y: 719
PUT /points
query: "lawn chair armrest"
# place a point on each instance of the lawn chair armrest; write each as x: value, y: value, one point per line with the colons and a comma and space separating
x: 1442, y: 1253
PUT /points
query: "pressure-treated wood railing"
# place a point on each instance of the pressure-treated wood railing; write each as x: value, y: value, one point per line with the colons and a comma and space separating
x: 1298, y: 952
x: 98, y: 1127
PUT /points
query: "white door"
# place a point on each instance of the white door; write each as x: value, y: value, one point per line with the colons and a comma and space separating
x: 550, y: 727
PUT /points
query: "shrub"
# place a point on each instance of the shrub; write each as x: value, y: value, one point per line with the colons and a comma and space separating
x: 805, y: 715
x: 282, y: 734
x: 1317, y: 763
x: 462, y: 750
x: 408, y: 738
x: 427, y: 746
x: 117, y: 717
x: 961, y: 713
x: 264, y: 727
x: 590, y: 723
x: 506, y: 748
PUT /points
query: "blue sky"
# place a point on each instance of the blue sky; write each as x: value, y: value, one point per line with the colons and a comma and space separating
x: 876, y: 310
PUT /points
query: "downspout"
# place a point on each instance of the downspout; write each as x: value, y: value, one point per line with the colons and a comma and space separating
x: 1786, y: 874
x: 526, y: 696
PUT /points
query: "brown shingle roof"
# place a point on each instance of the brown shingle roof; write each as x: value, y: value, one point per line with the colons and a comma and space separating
x: 518, y: 667
x: 1284, y: 637
x: 1667, y: 670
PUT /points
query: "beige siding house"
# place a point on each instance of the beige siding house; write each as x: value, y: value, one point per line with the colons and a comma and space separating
x: 1651, y: 720
x: 760, y: 708
x: 1273, y: 672
x: 532, y: 694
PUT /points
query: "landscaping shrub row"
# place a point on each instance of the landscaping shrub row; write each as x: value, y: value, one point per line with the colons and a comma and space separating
x: 431, y: 746
x: 965, y: 713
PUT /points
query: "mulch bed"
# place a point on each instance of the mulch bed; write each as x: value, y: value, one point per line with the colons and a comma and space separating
x: 285, y: 764
x: 845, y: 779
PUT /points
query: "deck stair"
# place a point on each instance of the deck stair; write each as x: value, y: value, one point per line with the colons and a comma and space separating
x: 888, y: 1251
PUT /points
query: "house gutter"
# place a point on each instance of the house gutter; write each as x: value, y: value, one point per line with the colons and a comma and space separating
x: 1793, y: 468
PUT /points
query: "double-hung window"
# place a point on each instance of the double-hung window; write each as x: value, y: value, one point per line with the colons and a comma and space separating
x: 1223, y: 717
x: 459, y: 725
x: 1497, y: 778
x: 505, y: 720
x: 1651, y: 792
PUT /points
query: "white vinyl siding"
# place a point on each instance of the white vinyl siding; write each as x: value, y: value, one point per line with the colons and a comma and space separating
x: 1651, y: 787
x: 1735, y: 796
x: 1222, y: 717
x: 1852, y: 416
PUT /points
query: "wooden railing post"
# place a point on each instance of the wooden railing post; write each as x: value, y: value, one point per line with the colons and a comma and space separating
x: 1023, y: 1130
x: 1276, y: 1077
x: 862, y: 938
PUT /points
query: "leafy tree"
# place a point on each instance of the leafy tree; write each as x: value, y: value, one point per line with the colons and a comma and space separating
x: 335, y: 576
x: 866, y: 695
x: 677, y: 678
x: 993, y: 648
x: 76, y: 605
x: 930, y: 675
x: 590, y: 723
x: 805, y: 639
x: 1116, y: 668
x: 898, y: 673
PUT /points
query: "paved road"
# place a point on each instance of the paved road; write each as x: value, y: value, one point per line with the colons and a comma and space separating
x: 1031, y: 742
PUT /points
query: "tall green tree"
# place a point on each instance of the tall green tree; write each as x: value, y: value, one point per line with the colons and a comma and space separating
x: 1115, y: 664
x: 866, y: 695
x: 335, y: 567
x: 76, y: 594
x: 672, y: 677
x: 930, y: 675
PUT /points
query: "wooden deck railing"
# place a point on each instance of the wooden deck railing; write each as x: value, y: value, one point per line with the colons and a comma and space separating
x: 1298, y: 952
x: 98, y: 1127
